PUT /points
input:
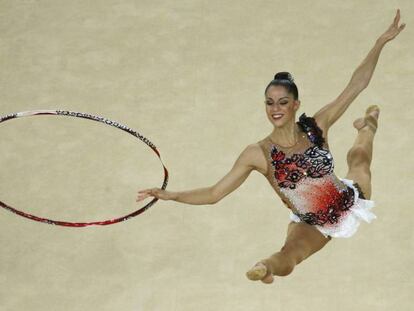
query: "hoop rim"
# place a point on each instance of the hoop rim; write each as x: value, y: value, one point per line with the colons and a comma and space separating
x: 98, y: 119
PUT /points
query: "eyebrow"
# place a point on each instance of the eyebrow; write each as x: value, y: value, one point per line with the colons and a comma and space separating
x: 279, y: 98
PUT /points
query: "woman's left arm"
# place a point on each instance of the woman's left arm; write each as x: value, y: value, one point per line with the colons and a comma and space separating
x: 360, y: 78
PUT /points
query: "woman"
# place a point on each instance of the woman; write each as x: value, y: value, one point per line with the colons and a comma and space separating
x: 296, y: 160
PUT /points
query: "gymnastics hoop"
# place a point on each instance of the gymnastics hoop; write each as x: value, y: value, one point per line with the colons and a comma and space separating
x: 98, y: 119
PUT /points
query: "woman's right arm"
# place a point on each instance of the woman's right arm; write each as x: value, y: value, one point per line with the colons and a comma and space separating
x: 213, y: 194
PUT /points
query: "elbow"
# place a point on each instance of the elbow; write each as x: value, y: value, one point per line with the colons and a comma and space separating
x: 214, y: 197
x: 360, y: 84
x: 214, y: 200
x: 363, y: 85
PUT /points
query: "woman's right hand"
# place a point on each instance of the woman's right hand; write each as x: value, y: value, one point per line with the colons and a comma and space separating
x: 155, y: 192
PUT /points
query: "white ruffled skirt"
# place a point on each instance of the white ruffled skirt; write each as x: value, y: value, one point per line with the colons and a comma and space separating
x: 361, y: 210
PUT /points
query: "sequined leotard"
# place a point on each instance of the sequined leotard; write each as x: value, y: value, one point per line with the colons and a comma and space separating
x: 304, y: 178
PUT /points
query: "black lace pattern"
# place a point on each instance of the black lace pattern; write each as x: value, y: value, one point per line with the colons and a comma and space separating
x: 315, y: 162
x: 333, y: 212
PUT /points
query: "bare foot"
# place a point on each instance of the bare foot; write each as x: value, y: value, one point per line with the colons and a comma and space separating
x: 370, y: 119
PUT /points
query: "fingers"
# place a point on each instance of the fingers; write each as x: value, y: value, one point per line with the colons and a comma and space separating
x: 397, y: 17
x: 155, y: 192
x: 141, y: 197
x: 394, y: 29
x: 396, y: 21
x: 144, y: 194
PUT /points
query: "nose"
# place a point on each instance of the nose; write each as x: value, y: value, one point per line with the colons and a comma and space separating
x: 276, y: 105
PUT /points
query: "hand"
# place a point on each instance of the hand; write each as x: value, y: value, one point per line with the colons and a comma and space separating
x: 155, y: 192
x: 393, y: 30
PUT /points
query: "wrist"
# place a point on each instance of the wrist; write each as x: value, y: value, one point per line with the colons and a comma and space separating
x: 173, y: 196
x: 381, y: 41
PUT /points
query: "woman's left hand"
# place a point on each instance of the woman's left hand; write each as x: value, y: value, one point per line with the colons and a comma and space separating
x: 393, y: 30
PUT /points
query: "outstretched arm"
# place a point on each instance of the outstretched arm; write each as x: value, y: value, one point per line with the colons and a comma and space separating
x: 360, y: 78
x: 241, y: 169
x: 243, y: 166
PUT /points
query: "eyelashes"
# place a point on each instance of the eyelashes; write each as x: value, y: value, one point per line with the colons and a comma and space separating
x: 282, y: 103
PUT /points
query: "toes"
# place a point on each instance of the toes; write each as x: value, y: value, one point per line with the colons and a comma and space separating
x: 257, y: 272
x: 261, y: 271
x: 373, y: 110
x: 372, y: 122
x: 370, y: 119
x: 268, y: 279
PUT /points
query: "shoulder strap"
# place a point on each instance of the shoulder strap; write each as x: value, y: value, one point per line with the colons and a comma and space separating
x: 311, y: 128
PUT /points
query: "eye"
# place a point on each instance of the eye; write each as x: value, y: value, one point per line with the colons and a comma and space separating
x: 282, y: 103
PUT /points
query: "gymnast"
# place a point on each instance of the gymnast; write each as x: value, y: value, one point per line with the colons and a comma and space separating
x: 296, y: 160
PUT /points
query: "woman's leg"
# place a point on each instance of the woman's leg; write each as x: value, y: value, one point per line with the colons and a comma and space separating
x: 302, y: 241
x: 359, y: 157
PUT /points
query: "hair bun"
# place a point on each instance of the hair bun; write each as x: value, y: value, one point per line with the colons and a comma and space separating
x: 284, y: 75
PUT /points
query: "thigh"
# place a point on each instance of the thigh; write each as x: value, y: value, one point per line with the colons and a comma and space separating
x: 303, y: 240
x: 363, y: 178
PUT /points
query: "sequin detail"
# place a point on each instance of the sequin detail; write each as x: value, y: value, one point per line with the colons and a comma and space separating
x: 333, y: 212
x: 360, y: 211
x: 307, y: 179
x: 315, y: 162
x: 309, y: 126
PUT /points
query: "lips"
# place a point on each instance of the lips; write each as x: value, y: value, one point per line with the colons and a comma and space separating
x: 277, y: 116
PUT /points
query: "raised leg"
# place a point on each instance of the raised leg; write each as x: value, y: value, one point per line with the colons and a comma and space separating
x: 359, y: 157
x: 302, y: 241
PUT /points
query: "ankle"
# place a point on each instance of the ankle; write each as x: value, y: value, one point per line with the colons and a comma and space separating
x: 281, y: 263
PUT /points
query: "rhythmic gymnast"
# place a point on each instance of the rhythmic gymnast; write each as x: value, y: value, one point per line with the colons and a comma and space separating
x: 296, y: 160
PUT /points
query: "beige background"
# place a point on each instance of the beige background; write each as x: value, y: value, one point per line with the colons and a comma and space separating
x: 190, y: 76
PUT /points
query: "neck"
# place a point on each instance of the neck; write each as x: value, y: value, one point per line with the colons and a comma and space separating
x: 287, y: 135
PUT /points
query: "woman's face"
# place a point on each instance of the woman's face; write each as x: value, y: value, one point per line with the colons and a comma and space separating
x: 278, y: 101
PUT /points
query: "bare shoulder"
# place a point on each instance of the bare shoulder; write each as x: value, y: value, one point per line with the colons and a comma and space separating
x: 255, y: 157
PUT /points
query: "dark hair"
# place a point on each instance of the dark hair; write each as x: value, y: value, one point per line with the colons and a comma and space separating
x: 285, y: 79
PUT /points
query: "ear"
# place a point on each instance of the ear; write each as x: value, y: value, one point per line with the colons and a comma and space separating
x: 296, y: 104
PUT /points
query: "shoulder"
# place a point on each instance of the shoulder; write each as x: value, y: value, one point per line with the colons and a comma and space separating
x: 321, y: 122
x: 253, y: 156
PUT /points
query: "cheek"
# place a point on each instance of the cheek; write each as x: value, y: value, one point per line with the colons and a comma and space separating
x: 290, y: 109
